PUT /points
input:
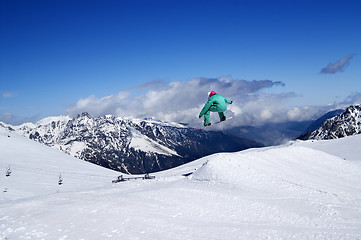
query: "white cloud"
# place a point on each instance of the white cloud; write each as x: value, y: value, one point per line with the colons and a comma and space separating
x: 100, y: 106
x: 266, y: 114
x: 294, y: 113
x: 13, y: 119
x: 354, y: 98
x: 6, y: 117
x: 337, y: 66
x: 7, y: 94
x: 182, y: 101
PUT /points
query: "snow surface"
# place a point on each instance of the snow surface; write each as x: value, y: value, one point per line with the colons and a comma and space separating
x: 141, y: 142
x: 157, y: 121
x: 49, y: 120
x: 347, y: 148
x: 300, y: 190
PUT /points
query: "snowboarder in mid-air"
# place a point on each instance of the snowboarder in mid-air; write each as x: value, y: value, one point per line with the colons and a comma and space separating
x: 215, y: 103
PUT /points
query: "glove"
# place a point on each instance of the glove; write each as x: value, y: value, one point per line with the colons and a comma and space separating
x: 199, y: 116
x: 231, y: 102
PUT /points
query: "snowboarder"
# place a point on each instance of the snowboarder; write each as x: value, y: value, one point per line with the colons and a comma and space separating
x: 215, y: 103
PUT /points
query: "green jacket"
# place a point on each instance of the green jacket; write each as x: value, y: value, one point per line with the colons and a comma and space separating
x: 215, y: 103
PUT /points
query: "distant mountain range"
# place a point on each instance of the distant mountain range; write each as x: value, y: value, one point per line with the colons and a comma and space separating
x: 343, y: 123
x: 145, y: 146
x: 272, y: 133
x: 334, y: 124
x: 316, y: 124
x: 129, y: 146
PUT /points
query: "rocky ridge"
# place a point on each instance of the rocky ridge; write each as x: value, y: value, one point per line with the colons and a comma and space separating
x: 129, y: 146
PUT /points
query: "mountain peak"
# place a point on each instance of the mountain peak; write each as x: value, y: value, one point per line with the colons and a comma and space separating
x: 83, y: 114
x: 345, y: 124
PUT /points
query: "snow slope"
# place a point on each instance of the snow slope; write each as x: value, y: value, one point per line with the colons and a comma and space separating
x: 301, y: 190
x: 347, y: 148
x: 36, y: 169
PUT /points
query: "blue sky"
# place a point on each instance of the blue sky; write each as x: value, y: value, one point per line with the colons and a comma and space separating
x: 61, y: 57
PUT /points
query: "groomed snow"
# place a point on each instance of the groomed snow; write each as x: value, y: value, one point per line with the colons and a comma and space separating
x: 36, y: 169
x: 301, y: 190
x: 347, y: 148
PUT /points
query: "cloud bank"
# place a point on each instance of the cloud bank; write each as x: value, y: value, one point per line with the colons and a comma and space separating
x: 354, y: 98
x: 182, y: 101
x: 337, y: 66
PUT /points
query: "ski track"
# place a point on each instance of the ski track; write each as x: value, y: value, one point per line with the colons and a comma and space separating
x: 285, y: 192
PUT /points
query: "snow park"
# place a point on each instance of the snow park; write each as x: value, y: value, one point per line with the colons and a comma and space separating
x: 180, y: 120
x: 299, y: 190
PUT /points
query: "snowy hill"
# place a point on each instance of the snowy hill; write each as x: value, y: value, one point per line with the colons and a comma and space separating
x: 347, y: 123
x: 130, y: 146
x: 35, y: 169
x: 301, y: 190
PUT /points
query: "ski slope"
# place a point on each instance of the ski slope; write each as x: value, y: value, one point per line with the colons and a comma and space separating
x: 300, y: 190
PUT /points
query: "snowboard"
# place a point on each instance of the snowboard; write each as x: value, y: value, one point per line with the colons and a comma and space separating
x: 218, y: 122
x: 187, y: 174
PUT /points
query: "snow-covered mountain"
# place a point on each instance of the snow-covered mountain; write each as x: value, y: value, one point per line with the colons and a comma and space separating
x: 318, y: 122
x: 130, y: 146
x: 300, y: 190
x: 344, y: 124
